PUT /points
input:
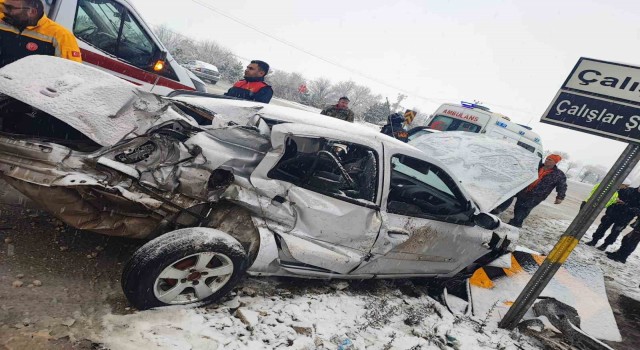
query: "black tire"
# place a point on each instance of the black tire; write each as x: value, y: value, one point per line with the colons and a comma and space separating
x: 141, y: 275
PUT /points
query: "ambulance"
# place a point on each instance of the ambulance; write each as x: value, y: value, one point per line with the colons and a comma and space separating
x: 473, y: 117
x: 113, y: 37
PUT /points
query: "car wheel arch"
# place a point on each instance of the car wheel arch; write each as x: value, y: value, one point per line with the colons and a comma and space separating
x: 236, y: 222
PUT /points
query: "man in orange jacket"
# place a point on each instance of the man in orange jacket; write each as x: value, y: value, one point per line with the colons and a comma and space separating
x: 25, y: 30
x: 549, y: 177
x: 253, y: 87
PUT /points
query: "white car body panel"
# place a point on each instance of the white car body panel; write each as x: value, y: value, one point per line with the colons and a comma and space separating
x: 101, y: 106
x: 491, y: 171
x: 313, y: 233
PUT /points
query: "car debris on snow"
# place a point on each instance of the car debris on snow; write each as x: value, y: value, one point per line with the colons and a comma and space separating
x: 261, y: 191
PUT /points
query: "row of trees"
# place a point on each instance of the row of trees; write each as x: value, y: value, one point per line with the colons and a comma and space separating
x: 321, y: 92
x: 184, y: 49
x: 318, y: 93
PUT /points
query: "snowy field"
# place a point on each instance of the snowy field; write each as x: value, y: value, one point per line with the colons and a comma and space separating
x: 84, y: 308
x: 262, y: 314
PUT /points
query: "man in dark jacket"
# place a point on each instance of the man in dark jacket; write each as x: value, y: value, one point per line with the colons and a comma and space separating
x: 549, y: 177
x: 253, y: 87
x: 340, y: 110
x: 629, y: 244
x: 395, y: 127
x: 618, y: 215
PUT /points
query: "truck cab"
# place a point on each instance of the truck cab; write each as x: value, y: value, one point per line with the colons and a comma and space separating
x: 472, y: 117
x: 113, y: 37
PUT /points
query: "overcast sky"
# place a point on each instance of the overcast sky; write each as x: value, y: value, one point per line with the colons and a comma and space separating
x: 511, y: 55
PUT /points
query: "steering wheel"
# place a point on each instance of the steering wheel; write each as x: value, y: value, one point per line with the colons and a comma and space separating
x: 344, y: 173
x: 436, y: 209
x: 87, y: 31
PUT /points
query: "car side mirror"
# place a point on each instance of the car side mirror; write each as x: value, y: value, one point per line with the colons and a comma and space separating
x: 158, y: 61
x: 486, y: 221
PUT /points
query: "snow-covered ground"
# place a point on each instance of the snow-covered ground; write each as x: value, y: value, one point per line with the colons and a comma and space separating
x: 319, y: 317
x: 275, y: 313
x: 272, y: 314
x: 262, y: 313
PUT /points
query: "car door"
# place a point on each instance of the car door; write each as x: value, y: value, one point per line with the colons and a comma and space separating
x: 330, y: 186
x: 427, y: 222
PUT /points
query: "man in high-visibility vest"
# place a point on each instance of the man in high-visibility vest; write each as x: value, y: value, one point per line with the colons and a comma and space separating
x: 618, y: 215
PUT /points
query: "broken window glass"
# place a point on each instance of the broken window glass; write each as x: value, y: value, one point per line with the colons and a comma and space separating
x: 422, y: 189
x: 331, y: 167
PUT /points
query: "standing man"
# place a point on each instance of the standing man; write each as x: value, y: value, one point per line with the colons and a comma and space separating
x: 340, y: 111
x: 253, y: 87
x: 618, y: 215
x: 629, y: 244
x: 549, y: 177
x: 395, y: 127
x: 25, y: 30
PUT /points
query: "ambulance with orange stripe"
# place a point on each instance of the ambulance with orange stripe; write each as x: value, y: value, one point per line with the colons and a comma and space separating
x: 113, y: 37
x: 473, y: 117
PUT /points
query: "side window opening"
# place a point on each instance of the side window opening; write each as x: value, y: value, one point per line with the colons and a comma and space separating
x: 424, y: 190
x: 331, y: 167
x: 98, y: 23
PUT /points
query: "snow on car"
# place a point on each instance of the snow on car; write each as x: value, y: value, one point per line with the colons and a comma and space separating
x: 264, y: 190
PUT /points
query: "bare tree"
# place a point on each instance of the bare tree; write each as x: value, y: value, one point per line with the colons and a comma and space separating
x: 395, y: 107
x: 361, y: 99
x: 285, y: 85
x: 572, y: 164
x: 343, y: 88
x: 184, y: 49
x: 593, y: 173
x: 377, y: 113
x: 319, y: 90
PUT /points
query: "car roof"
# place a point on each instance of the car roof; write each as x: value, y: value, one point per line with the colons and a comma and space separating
x: 206, y: 65
x: 241, y: 112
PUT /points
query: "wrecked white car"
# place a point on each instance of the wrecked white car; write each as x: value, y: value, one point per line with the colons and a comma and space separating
x: 264, y: 190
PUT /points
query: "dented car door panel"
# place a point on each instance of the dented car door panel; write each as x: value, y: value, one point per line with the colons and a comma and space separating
x: 409, y: 245
x: 426, y: 218
x: 295, y: 180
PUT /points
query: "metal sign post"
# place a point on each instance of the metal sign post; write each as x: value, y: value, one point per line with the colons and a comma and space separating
x: 569, y: 240
x: 601, y: 98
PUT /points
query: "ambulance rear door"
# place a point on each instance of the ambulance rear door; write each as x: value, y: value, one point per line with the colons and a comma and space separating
x: 450, y: 117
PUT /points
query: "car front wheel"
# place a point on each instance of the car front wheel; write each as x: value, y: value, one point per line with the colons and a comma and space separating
x: 188, y: 266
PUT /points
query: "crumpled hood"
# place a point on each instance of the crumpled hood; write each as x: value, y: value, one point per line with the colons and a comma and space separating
x: 102, y: 106
x: 489, y: 170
